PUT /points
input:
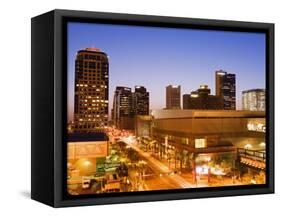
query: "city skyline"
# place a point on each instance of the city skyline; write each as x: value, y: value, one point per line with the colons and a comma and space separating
x: 212, y: 145
x: 189, y: 53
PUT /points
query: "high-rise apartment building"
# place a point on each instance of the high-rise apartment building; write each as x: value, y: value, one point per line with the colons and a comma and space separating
x: 91, y: 90
x: 253, y: 100
x: 201, y: 99
x: 226, y: 89
x: 173, y: 97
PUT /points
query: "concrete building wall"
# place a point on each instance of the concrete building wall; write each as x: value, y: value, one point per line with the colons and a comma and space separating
x: 237, y: 128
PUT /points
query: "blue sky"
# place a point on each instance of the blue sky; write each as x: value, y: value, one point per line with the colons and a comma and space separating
x: 156, y: 57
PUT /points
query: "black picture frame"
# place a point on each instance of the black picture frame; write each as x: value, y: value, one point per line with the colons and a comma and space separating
x: 48, y: 147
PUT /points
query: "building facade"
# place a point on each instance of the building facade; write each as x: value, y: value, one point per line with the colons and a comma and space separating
x: 226, y: 89
x: 123, y: 113
x: 173, y: 97
x: 140, y: 101
x: 253, y: 100
x: 143, y: 125
x: 84, y: 152
x: 201, y: 99
x: 128, y: 104
x: 91, y: 90
x: 192, y: 138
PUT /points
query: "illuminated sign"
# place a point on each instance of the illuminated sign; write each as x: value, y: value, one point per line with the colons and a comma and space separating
x: 256, y: 127
x: 77, y: 150
x: 194, y: 95
x: 220, y: 73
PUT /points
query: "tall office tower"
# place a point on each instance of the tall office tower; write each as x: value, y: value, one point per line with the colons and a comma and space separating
x: 140, y: 101
x: 226, y: 89
x: 201, y: 99
x: 122, y: 114
x: 253, y: 100
x: 91, y: 90
x: 173, y: 97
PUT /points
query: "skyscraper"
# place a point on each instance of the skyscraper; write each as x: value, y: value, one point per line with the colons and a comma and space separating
x: 253, y: 100
x: 127, y: 104
x: 201, y: 99
x: 140, y: 101
x: 226, y: 89
x: 173, y: 97
x: 122, y: 112
x: 91, y: 90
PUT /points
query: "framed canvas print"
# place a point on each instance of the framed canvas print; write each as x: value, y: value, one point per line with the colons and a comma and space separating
x: 133, y: 108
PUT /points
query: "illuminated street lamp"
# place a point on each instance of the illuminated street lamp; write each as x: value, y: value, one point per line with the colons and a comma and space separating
x: 248, y: 146
x: 262, y: 144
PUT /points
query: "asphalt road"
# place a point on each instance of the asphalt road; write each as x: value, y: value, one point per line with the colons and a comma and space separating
x: 158, y: 166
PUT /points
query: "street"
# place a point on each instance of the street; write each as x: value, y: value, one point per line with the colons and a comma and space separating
x: 158, y: 166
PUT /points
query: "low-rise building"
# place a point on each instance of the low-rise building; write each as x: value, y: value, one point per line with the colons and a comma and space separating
x: 193, y: 137
x: 84, y: 150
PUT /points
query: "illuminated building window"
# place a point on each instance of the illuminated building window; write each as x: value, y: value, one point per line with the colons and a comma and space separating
x: 200, y: 143
x: 184, y: 141
x: 194, y: 95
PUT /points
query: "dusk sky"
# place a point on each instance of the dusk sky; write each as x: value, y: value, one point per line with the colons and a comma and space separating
x: 156, y: 57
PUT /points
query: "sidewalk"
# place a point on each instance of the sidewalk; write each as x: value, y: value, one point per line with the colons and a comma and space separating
x: 185, y: 177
